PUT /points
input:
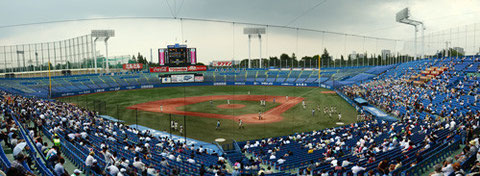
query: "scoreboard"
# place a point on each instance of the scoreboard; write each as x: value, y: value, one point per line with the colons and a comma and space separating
x: 177, y: 56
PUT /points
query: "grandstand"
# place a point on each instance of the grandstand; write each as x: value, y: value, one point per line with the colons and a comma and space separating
x: 425, y: 118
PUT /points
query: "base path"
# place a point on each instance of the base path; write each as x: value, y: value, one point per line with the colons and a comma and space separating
x: 231, y: 106
x: 272, y: 115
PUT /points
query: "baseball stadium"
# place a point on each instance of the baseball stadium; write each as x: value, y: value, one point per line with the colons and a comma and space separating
x: 211, y: 88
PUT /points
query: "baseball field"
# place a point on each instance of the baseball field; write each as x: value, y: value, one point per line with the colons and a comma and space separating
x: 282, y: 112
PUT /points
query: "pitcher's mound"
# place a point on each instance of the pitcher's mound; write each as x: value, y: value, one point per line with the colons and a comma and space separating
x: 231, y: 106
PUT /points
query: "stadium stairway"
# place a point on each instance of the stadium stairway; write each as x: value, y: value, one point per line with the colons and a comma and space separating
x: 69, y: 166
x: 456, y: 152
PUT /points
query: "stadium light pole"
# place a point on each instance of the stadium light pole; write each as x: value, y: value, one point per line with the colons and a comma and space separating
x: 252, y: 32
x: 106, y: 54
x: 260, y: 49
x: 105, y: 34
x: 249, y: 51
x: 403, y: 17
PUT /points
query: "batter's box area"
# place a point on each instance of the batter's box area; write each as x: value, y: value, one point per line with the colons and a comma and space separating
x: 171, y: 106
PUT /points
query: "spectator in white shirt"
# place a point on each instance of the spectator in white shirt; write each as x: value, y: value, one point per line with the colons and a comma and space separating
x: 138, y: 164
x: 345, y: 163
x: 113, y: 170
x: 357, y: 168
x: 90, y: 159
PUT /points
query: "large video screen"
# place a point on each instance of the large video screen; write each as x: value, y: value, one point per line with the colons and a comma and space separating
x: 177, y: 56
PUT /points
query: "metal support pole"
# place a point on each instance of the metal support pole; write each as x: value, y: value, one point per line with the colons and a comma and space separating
x: 94, y: 49
x: 66, y: 55
x: 106, y: 54
x: 151, y: 56
x: 415, y: 44
x: 249, y: 50
x: 79, y: 65
x: 55, y: 56
x: 260, y: 41
x: 5, y: 57
x: 23, y: 56
x: 36, y: 58
x: 423, y: 41
x: 84, y: 42
x: 43, y: 57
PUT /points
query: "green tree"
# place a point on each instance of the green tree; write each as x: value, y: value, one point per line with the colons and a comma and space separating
x: 325, y: 59
x: 274, y: 61
x: 283, y: 59
x: 342, y: 61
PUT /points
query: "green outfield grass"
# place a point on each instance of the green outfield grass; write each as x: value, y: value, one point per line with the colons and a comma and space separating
x: 295, y: 119
x: 251, y: 107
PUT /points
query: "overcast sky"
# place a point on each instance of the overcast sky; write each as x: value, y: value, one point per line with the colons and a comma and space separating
x: 214, y: 41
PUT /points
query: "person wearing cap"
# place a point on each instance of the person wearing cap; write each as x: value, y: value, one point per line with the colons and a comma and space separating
x: 17, y: 164
x: 235, y: 171
x: 76, y: 172
x: 56, y: 140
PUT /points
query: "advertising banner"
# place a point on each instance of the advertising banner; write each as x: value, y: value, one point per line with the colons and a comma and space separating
x: 193, y: 56
x: 177, y: 69
x: 135, y: 66
x: 199, y: 78
x: 183, y: 78
x: 159, y: 69
x: 161, y: 56
x: 197, y: 68
x: 222, y: 63
x: 166, y: 80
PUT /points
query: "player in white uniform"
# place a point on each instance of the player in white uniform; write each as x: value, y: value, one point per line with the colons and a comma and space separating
x: 240, y: 124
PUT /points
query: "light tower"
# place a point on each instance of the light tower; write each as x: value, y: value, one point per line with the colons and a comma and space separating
x: 403, y: 17
x: 254, y: 32
x: 105, y: 35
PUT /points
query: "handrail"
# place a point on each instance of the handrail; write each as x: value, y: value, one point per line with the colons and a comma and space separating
x: 432, y: 158
x: 3, y: 158
x: 235, y: 144
x: 33, y: 149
